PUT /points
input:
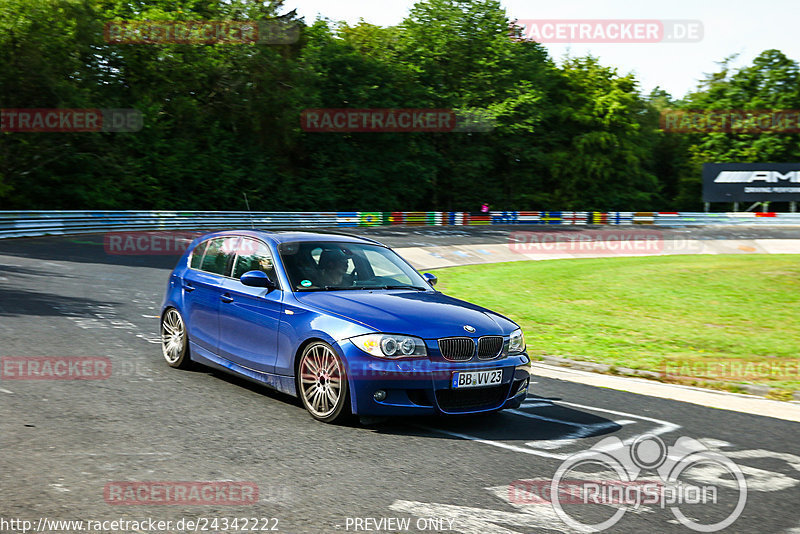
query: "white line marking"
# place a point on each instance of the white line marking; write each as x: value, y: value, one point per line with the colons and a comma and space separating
x: 152, y: 340
x: 113, y: 454
x: 792, y: 459
x: 6, y: 391
x: 536, y: 404
x: 573, y: 437
x: 490, y: 442
x: 715, y: 444
x: 664, y: 427
x: 471, y: 520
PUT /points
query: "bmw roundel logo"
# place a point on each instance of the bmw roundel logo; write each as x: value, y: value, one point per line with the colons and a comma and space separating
x: 469, y: 328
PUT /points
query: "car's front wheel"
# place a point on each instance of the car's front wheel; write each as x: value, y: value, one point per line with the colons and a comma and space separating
x: 322, y: 383
x: 174, y: 344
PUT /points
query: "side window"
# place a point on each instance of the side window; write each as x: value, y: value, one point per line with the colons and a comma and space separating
x: 197, y: 255
x: 218, y: 255
x: 254, y: 255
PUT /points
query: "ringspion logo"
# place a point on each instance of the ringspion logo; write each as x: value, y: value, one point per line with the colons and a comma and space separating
x: 620, y: 484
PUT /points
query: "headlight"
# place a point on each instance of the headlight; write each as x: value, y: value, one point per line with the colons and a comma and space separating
x: 516, y: 342
x: 390, y: 345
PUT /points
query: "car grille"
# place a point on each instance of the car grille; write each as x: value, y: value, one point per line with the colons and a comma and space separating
x: 418, y: 397
x: 489, y: 347
x: 469, y: 399
x: 457, y: 349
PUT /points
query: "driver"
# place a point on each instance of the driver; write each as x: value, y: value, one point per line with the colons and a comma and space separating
x: 333, y: 268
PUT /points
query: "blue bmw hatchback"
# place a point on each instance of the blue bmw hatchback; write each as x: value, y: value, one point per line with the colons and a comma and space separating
x: 343, y: 323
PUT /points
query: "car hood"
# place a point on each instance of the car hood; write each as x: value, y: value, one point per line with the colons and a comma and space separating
x: 427, y: 314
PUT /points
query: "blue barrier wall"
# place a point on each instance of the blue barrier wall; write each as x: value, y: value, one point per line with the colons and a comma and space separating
x: 37, y: 223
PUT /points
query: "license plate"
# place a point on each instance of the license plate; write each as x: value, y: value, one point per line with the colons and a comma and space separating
x: 477, y: 379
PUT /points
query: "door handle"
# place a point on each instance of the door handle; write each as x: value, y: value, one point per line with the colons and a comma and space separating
x: 188, y: 287
x: 225, y: 297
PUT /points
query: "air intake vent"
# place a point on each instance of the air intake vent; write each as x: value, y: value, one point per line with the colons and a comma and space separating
x: 456, y: 400
x: 457, y: 349
x: 489, y: 347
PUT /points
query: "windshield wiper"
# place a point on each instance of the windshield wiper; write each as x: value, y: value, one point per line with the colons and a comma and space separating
x: 342, y: 288
x: 400, y: 287
x: 367, y: 288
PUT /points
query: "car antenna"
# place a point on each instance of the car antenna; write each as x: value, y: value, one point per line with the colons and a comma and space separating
x: 246, y: 203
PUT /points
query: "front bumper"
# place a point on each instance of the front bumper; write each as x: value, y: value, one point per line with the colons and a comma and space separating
x: 420, y: 386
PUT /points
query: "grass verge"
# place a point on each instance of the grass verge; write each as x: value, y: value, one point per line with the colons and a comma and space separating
x: 724, y: 319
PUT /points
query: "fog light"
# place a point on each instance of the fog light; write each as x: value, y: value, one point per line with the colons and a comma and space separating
x: 523, y: 386
x: 379, y: 395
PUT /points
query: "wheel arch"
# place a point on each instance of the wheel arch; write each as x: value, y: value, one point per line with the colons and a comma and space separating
x: 296, y: 361
x: 333, y: 344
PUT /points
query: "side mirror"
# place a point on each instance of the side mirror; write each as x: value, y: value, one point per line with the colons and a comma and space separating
x: 257, y: 279
x: 431, y: 278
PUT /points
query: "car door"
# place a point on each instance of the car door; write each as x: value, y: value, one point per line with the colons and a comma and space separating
x: 250, y: 316
x: 202, y: 290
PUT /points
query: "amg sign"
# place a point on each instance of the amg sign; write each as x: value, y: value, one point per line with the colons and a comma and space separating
x: 742, y: 182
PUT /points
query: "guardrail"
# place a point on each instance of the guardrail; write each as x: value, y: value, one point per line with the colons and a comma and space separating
x: 38, y: 223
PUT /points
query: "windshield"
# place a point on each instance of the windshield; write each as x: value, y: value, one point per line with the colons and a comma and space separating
x: 329, y: 266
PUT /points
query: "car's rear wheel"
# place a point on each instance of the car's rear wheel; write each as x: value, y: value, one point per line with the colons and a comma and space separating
x: 322, y: 383
x: 174, y: 342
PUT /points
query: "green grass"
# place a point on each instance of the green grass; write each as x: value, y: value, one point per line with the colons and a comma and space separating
x: 643, y: 312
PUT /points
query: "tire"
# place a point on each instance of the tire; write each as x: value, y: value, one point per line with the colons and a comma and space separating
x: 322, y: 383
x: 174, y: 341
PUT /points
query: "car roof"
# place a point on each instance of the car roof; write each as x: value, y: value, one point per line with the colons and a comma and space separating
x: 293, y: 236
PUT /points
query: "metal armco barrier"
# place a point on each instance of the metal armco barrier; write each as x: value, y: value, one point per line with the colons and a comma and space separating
x: 38, y: 223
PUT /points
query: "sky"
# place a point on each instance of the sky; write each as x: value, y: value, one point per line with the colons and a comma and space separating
x: 730, y: 27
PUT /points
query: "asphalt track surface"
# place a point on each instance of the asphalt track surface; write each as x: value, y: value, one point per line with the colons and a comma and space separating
x: 62, y: 442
